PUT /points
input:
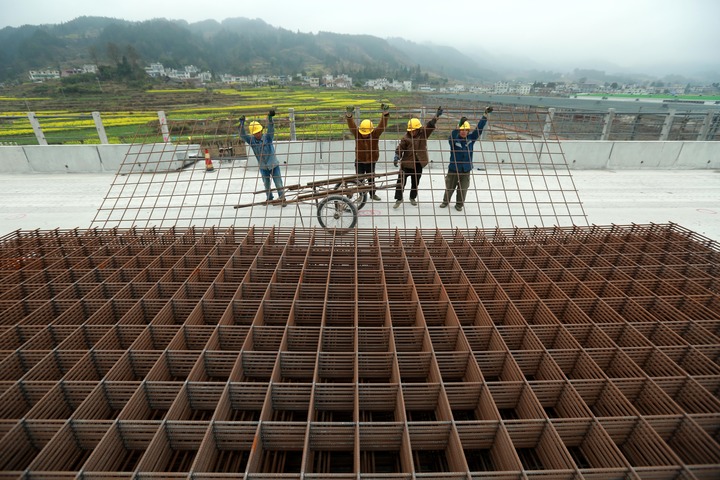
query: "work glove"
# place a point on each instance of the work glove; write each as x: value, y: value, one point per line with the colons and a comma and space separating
x: 462, y: 120
x: 349, y: 110
x: 271, y: 113
x: 396, y: 160
x: 488, y: 110
x: 241, y: 120
x: 439, y: 112
x: 385, y: 108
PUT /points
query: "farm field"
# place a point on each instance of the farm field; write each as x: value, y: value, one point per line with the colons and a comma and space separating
x: 190, y: 112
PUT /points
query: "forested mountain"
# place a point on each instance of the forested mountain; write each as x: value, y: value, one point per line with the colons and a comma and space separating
x: 236, y: 46
x: 448, y: 61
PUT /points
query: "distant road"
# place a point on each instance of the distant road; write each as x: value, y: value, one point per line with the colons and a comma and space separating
x: 594, y: 105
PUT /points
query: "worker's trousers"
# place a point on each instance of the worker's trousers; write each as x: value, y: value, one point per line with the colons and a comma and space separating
x: 459, y: 181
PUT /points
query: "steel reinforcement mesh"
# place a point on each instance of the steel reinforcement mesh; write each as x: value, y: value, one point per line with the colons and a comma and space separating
x: 520, y: 176
x: 258, y: 353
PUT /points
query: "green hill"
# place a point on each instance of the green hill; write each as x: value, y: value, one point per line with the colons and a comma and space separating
x: 238, y: 46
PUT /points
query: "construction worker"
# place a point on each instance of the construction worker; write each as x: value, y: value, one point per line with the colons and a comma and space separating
x: 262, y: 146
x: 412, y: 156
x: 462, y: 140
x: 367, y: 138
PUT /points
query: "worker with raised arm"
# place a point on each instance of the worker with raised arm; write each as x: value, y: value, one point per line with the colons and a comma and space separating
x: 462, y: 139
x: 264, y: 149
x: 411, y: 155
x: 367, y: 139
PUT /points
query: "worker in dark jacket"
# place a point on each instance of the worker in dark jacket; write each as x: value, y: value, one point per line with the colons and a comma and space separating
x: 412, y: 156
x: 462, y: 140
x: 367, y: 139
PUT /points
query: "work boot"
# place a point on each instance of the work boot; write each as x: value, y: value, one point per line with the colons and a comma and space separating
x: 413, y: 201
x: 397, y: 204
x: 458, y: 208
x: 375, y: 197
x: 284, y: 202
x: 443, y: 205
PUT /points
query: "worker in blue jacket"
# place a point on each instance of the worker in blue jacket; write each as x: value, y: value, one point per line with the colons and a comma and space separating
x: 462, y: 140
x: 262, y: 146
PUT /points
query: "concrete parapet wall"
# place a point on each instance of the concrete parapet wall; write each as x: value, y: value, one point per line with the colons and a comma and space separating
x: 13, y: 160
x: 579, y: 155
x: 112, y: 156
x: 63, y: 159
x: 699, y: 155
x: 651, y: 155
x: 159, y: 157
x: 96, y: 158
x: 590, y: 155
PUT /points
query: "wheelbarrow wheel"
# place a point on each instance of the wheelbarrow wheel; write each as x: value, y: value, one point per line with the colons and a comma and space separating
x: 337, y: 211
x: 358, y: 198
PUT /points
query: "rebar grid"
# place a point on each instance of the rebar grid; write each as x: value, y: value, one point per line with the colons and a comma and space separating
x: 577, y: 352
x: 520, y: 176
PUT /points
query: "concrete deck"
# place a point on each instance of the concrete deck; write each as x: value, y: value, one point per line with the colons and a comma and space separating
x: 690, y: 198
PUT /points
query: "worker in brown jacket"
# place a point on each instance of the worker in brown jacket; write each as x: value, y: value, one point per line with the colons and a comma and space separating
x: 367, y: 137
x: 412, y: 156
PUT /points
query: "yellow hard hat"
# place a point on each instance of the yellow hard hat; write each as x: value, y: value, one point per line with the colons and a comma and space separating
x: 366, y: 127
x: 255, y: 127
x: 414, y: 124
x: 465, y: 126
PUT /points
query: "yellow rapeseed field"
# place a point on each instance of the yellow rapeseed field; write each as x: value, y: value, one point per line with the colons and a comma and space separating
x: 317, y: 111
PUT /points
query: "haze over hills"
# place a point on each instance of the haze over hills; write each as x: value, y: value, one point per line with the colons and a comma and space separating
x: 244, y: 46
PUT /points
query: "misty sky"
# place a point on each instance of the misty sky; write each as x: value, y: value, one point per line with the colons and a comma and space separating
x: 632, y: 35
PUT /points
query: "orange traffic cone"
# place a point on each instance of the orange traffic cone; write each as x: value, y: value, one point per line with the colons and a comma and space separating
x: 208, y: 162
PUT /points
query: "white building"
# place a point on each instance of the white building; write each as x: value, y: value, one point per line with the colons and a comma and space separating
x: 457, y: 88
x: 42, y: 75
x: 242, y: 79
x: 404, y: 86
x: 189, y: 72
x: 338, y: 81
x: 378, y: 83
x: 501, y: 87
x: 385, y: 84
x: 155, y: 70
x: 523, y: 89
x: 311, y: 81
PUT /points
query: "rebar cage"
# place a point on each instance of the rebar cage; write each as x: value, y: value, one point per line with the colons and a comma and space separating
x: 264, y: 352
